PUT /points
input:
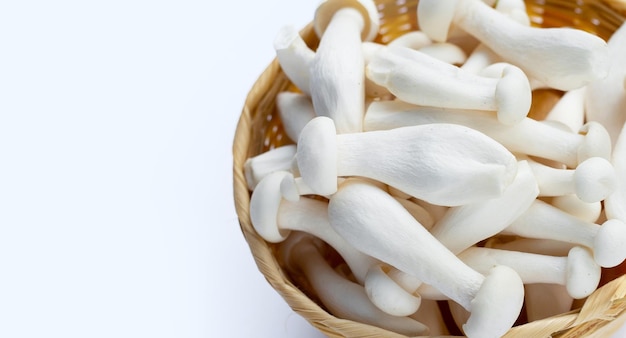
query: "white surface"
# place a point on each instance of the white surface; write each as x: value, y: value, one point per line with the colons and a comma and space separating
x: 116, y: 211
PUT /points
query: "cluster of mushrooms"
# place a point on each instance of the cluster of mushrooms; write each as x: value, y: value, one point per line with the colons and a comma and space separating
x: 416, y: 162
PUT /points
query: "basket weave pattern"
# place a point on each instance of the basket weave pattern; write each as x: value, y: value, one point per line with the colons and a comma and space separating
x: 260, y: 129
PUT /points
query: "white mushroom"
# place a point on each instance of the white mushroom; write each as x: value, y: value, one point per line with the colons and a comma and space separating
x: 592, y: 180
x: 294, y: 57
x: 373, y: 90
x: 539, y: 51
x: 413, y: 39
x: 577, y: 271
x: 357, y: 212
x: 570, y: 203
x: 606, y: 98
x: 466, y: 225
x: 342, y: 297
x: 417, y: 78
x: 443, y: 164
x: 295, y: 111
x: 277, y: 159
x: 541, y: 220
x: 274, y: 218
x: 529, y: 137
x: 387, y: 295
x: 337, y: 71
x: 445, y: 52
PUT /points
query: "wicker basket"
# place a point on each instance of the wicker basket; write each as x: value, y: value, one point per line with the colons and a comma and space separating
x: 260, y: 129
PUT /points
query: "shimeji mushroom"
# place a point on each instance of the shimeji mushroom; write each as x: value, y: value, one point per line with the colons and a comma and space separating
x: 337, y: 73
x: 357, y: 212
x: 420, y: 79
x: 539, y: 51
x: 528, y: 137
x: 413, y: 39
x: 294, y: 57
x: 342, y: 297
x: 295, y: 110
x: 445, y: 52
x: 276, y: 159
x: 570, y: 109
x: 274, y: 217
x: 592, y: 180
x: 443, y: 164
x: 571, y: 204
x: 606, y: 98
x: 577, y: 271
x: 541, y: 220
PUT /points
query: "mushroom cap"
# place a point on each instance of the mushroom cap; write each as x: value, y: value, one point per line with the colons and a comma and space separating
x: 387, y: 295
x: 317, y: 155
x: 289, y: 188
x: 609, y: 247
x: 597, y: 142
x: 594, y: 179
x: 264, y: 205
x: 583, y: 273
x: 435, y: 17
x: 367, y: 8
x: 513, y: 95
x: 497, y: 304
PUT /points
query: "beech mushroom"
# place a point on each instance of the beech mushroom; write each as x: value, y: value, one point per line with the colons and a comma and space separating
x: 445, y: 52
x: 541, y: 220
x: 615, y: 204
x: 342, y: 297
x: 420, y: 79
x: 274, y: 218
x: 592, y: 180
x: 570, y: 109
x: 529, y: 136
x: 413, y: 39
x: 277, y: 159
x: 295, y: 111
x: 443, y: 164
x: 571, y: 204
x: 294, y: 57
x: 539, y: 51
x: 337, y: 71
x: 357, y: 212
x: 577, y: 271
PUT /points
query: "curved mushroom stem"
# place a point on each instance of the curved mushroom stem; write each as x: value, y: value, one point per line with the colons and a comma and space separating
x: 592, y: 181
x: 541, y: 220
x: 578, y: 271
x: 277, y: 159
x: 443, y: 164
x: 570, y: 203
x: 538, y: 51
x: 529, y: 137
x: 420, y: 79
x: 274, y: 218
x: 413, y: 39
x: 445, y: 52
x: 615, y: 204
x: 343, y: 298
x: 294, y: 57
x: 337, y: 74
x: 295, y: 111
x: 356, y: 212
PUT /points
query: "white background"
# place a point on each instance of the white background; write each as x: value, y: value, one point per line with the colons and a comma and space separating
x: 116, y: 208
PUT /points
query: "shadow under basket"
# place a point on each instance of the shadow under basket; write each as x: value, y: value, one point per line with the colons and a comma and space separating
x: 260, y: 129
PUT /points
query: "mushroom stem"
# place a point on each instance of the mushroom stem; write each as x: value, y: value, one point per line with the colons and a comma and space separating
x: 529, y: 136
x: 295, y: 111
x: 615, y: 204
x: 337, y: 78
x: 539, y: 51
x: 541, y: 220
x: 570, y: 203
x: 294, y: 57
x: 443, y: 164
x: 343, y: 298
x: 570, y: 109
x: 357, y: 212
x: 577, y: 271
x: 417, y: 78
x: 592, y: 180
x: 277, y: 159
